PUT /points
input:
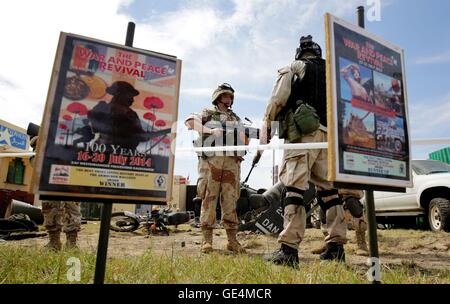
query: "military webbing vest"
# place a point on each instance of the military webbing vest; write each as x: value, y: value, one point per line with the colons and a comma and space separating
x: 311, y: 89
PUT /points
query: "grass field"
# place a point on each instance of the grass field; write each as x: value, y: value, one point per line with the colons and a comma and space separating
x: 161, y: 263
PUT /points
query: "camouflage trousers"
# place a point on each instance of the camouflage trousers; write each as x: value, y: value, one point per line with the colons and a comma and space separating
x: 61, y: 215
x: 220, y: 176
x: 299, y: 167
x: 345, y: 193
x: 359, y: 224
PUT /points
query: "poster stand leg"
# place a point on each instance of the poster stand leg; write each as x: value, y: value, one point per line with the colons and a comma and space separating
x: 374, y: 261
x: 103, y: 238
x: 102, y: 249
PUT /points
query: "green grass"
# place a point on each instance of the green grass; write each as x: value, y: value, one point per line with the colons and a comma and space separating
x: 29, y: 265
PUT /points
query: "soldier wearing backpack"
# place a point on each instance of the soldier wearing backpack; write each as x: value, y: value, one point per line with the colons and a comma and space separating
x: 298, y: 103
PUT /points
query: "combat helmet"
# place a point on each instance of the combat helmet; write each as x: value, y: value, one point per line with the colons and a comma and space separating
x: 222, y: 89
x: 308, y: 45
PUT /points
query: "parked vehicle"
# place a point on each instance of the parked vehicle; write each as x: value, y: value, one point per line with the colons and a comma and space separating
x: 429, y: 199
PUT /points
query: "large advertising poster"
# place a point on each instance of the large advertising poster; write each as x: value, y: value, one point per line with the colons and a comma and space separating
x: 367, y: 108
x: 106, y: 130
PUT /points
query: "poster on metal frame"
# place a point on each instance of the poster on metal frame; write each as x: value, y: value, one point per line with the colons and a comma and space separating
x: 106, y: 130
x: 368, y: 129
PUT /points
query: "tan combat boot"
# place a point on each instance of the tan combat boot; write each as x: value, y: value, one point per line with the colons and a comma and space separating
x: 360, y: 232
x: 207, y: 240
x: 71, y: 242
x: 233, y: 244
x: 319, y: 250
x: 54, y: 241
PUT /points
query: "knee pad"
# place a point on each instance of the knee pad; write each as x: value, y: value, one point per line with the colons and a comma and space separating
x: 354, y: 206
x: 293, y: 200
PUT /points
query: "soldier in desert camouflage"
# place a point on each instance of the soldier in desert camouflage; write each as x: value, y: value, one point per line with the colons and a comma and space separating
x: 354, y: 214
x: 219, y: 172
x: 59, y: 216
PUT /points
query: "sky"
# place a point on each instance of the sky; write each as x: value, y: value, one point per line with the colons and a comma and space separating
x: 240, y: 42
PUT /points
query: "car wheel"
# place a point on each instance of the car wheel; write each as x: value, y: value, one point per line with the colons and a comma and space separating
x: 439, y: 214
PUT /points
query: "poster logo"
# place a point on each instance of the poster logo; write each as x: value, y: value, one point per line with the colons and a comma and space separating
x: 160, y: 181
x: 59, y: 174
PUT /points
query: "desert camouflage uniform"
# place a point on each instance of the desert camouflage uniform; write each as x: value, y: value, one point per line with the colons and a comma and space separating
x: 219, y: 175
x: 359, y: 224
x: 61, y: 215
x: 301, y: 166
x: 202, y: 169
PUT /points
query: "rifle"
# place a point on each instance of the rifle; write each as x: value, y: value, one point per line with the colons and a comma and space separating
x: 254, y: 163
x: 227, y: 127
x: 149, y: 135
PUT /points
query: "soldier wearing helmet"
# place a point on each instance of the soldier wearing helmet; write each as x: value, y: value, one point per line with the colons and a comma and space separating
x: 219, y: 173
x: 304, y: 82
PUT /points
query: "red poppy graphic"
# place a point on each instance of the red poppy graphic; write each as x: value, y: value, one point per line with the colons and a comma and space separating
x: 166, y: 141
x: 77, y: 108
x: 153, y: 103
x: 67, y: 117
x: 160, y: 123
x: 150, y: 116
x: 63, y: 126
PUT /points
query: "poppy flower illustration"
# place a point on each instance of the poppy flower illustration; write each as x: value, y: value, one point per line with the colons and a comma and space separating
x: 153, y: 102
x: 160, y: 123
x: 150, y: 116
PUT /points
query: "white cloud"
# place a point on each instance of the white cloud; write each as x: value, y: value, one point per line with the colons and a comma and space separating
x: 435, y: 59
x: 243, y: 46
x: 30, y: 31
x: 428, y: 117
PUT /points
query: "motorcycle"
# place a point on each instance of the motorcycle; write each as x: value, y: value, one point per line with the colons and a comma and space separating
x: 155, y: 222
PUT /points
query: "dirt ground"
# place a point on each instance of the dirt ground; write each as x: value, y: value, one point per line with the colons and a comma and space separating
x: 425, y: 250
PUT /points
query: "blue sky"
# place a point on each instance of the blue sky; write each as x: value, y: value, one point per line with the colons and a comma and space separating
x: 239, y: 42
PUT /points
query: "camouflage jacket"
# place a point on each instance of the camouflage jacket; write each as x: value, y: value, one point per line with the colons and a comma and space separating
x: 215, y: 118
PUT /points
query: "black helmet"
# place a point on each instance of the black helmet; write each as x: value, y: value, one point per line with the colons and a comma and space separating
x: 308, y: 45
